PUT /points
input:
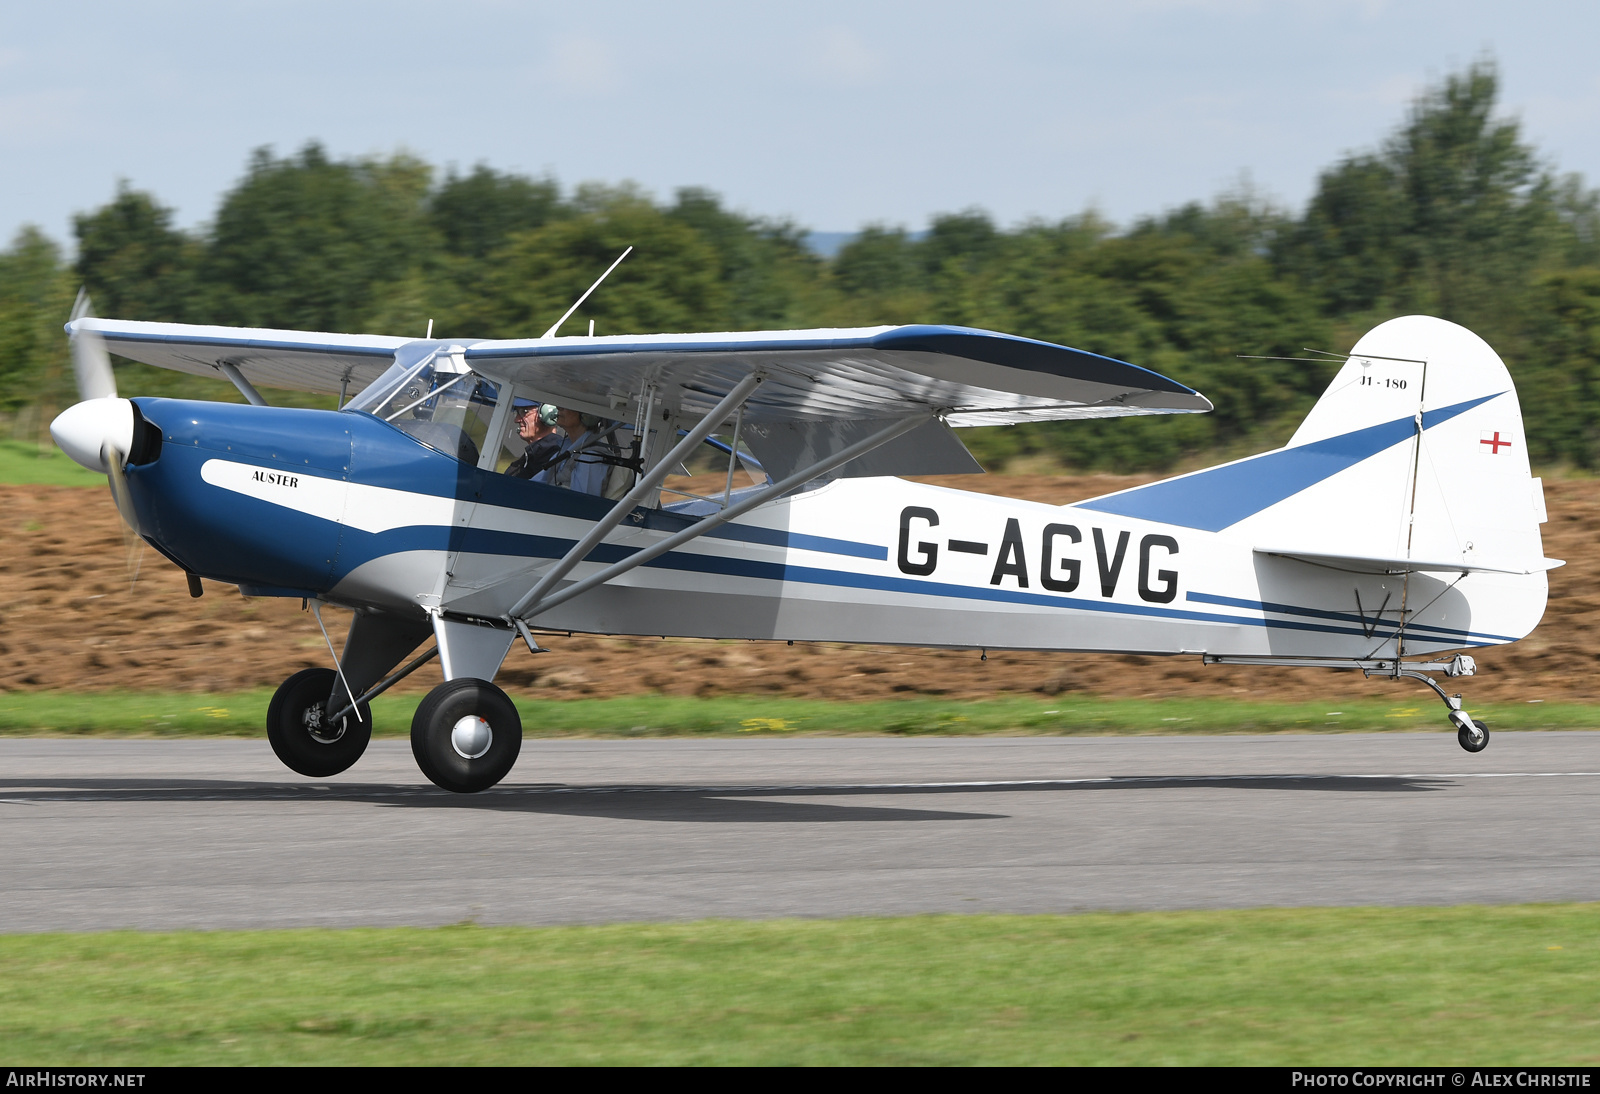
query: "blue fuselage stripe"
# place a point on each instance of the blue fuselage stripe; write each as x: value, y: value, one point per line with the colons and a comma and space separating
x: 1349, y: 617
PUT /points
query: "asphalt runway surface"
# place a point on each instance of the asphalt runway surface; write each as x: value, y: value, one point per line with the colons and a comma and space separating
x: 209, y: 834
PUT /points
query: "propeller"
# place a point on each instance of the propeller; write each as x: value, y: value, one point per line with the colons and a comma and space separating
x: 91, y: 363
x: 98, y: 431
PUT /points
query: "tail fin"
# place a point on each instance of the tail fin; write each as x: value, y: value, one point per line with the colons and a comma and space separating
x: 1414, y: 458
x: 1447, y: 479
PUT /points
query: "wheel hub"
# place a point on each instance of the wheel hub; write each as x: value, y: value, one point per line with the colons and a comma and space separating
x: 471, y: 737
x: 324, y: 735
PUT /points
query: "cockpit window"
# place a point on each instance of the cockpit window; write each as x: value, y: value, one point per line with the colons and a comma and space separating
x: 431, y: 394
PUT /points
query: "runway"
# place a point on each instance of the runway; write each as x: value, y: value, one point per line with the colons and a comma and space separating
x: 210, y: 834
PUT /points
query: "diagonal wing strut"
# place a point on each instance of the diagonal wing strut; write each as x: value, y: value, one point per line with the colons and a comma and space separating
x: 524, y: 613
x: 580, y: 550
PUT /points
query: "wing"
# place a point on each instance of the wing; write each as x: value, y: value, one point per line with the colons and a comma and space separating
x: 822, y: 390
x: 968, y: 377
x: 298, y: 360
x: 825, y: 389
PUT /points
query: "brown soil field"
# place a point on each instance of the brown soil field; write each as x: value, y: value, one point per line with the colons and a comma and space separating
x: 69, y: 621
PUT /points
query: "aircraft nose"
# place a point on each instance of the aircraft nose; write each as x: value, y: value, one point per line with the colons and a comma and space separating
x: 86, y: 430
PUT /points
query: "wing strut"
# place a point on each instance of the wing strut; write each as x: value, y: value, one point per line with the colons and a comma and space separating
x: 648, y: 482
x: 522, y: 612
x: 246, y: 388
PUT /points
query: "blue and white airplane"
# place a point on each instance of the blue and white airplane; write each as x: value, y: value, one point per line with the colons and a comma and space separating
x: 1398, y: 526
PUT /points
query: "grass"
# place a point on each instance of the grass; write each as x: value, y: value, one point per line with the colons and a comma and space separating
x: 1458, y: 986
x: 243, y: 714
x: 24, y: 463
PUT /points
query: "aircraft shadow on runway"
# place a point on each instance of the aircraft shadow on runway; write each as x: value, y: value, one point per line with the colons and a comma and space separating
x: 714, y: 804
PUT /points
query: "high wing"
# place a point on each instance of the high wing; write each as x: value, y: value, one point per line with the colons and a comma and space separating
x: 297, y: 360
x: 968, y: 377
x: 821, y: 389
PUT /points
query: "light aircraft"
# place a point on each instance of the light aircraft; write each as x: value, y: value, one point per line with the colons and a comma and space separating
x: 1398, y: 526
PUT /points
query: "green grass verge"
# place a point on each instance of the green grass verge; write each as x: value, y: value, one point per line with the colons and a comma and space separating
x: 1369, y: 986
x: 143, y: 714
x: 23, y: 463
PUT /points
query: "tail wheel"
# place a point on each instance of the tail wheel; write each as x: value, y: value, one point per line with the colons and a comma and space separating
x: 466, y: 735
x: 1474, y: 737
x: 300, y: 733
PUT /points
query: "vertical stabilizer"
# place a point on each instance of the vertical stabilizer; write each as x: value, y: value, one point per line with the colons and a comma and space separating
x: 1415, y: 452
x: 1447, y: 478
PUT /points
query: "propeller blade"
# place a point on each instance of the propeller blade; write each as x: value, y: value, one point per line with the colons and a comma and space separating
x: 119, y: 488
x: 91, y: 362
x: 132, y: 539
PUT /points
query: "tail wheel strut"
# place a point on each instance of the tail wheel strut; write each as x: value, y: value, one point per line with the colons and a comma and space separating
x: 1471, y: 734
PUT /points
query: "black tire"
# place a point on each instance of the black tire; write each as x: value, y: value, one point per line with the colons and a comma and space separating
x: 437, y: 745
x: 1473, y: 742
x: 294, y: 726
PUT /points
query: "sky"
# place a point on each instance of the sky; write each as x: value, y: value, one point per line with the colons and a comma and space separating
x: 833, y: 114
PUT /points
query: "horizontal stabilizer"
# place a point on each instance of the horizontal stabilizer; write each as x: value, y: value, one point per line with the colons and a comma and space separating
x: 1364, y: 565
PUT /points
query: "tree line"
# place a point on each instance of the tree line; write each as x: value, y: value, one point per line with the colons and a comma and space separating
x: 1453, y: 214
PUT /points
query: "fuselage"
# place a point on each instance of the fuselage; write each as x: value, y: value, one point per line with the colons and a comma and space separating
x: 346, y: 507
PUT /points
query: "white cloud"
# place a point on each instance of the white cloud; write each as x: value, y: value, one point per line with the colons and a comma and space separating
x: 582, y: 65
x: 843, y: 57
x: 51, y: 112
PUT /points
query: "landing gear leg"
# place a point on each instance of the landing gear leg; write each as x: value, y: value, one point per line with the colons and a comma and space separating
x: 466, y: 735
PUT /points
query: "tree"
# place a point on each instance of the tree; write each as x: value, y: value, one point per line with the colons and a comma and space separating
x: 1452, y: 216
x: 134, y: 263
x: 1559, y: 375
x: 35, y: 300
x: 958, y: 243
x: 763, y: 264
x: 671, y: 282
x: 879, y: 259
x: 308, y: 243
x: 476, y: 215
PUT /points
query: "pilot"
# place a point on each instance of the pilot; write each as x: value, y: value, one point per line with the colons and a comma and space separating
x: 575, y: 467
x: 536, y: 424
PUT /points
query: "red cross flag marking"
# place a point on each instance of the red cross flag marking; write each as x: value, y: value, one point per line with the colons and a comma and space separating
x: 1494, y: 442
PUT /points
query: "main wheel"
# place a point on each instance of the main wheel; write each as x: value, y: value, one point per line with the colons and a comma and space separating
x: 299, y: 732
x: 466, y: 735
x: 1474, y: 738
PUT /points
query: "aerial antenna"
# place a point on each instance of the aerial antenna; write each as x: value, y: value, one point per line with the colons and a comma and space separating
x: 1323, y: 360
x: 557, y: 325
x: 430, y: 330
x: 1334, y: 357
x: 1261, y: 357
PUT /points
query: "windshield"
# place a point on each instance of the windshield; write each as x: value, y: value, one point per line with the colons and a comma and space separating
x: 430, y: 393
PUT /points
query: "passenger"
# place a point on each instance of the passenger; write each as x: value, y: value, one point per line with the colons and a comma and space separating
x: 577, y: 468
x: 536, y: 424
